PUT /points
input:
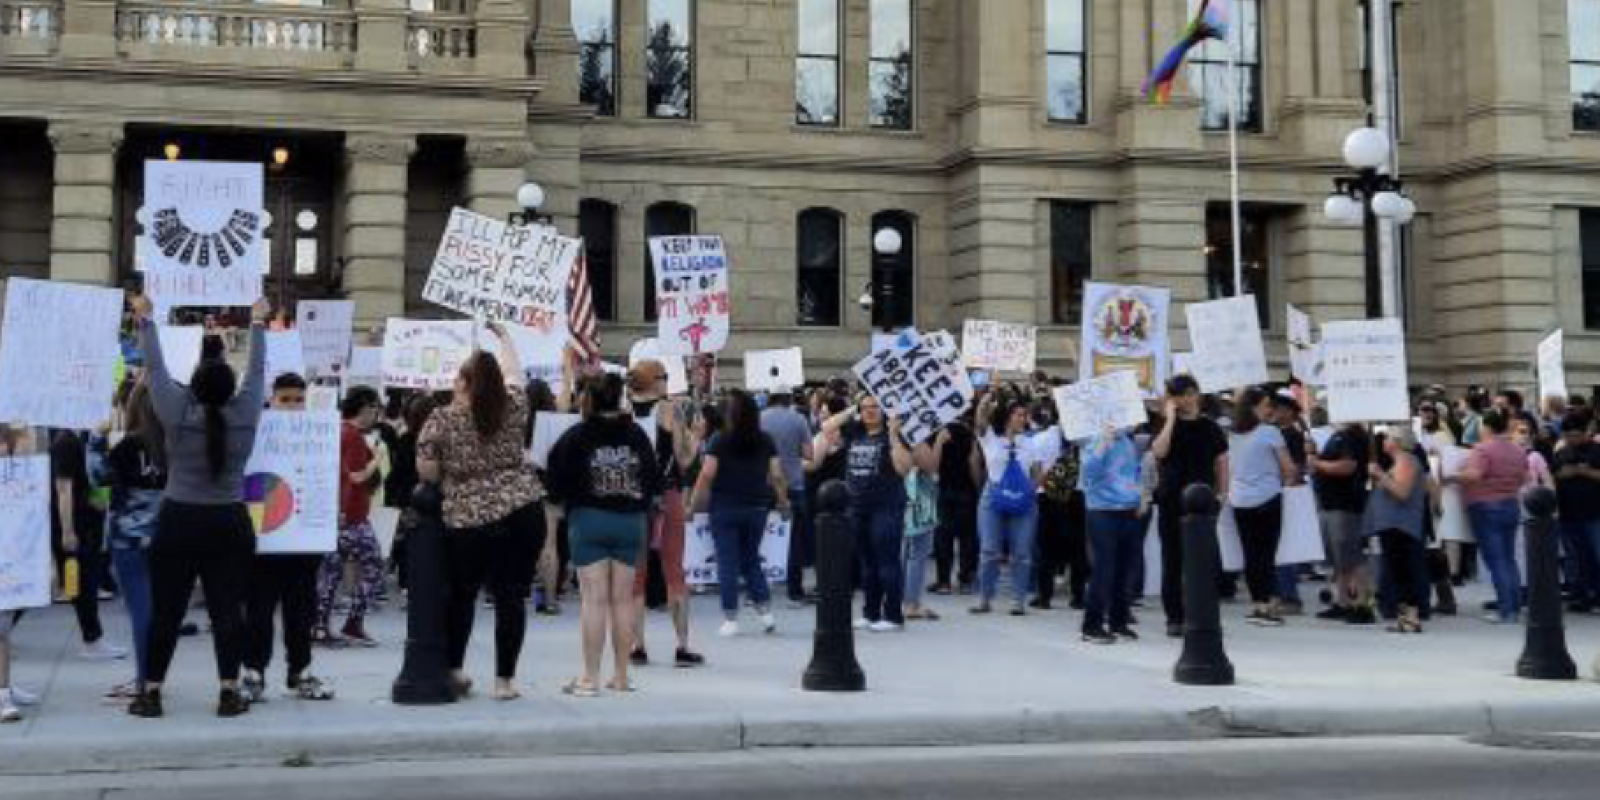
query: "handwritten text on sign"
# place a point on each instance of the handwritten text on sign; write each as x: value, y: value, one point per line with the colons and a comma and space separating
x: 292, y: 482
x: 425, y: 354
x: 1088, y: 408
x: 692, y: 303
x: 203, y: 223
x: 1002, y: 346
x: 919, y: 382
x: 58, y: 354
x: 503, y: 273
x: 24, y: 532
x: 1366, y: 369
x: 1228, y: 352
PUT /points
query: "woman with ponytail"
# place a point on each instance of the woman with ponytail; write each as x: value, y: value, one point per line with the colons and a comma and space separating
x: 203, y: 530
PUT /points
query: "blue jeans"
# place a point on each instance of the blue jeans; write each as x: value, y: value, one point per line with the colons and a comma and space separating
x: 1116, y: 540
x: 1289, y: 583
x: 1495, y: 526
x: 802, y: 542
x: 917, y: 550
x: 131, y: 562
x: 879, y: 528
x: 1581, y: 542
x: 737, y: 531
x: 998, y: 534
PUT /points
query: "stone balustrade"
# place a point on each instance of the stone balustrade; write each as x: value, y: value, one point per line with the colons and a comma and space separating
x: 235, y: 25
x: 29, y: 26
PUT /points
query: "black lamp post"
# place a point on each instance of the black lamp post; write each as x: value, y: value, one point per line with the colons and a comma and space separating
x: 1368, y: 197
x: 886, y: 245
x: 531, y: 197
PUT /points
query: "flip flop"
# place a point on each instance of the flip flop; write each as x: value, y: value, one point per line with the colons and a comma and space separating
x: 625, y: 687
x: 576, y: 688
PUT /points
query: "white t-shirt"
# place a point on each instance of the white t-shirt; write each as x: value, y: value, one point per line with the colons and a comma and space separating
x: 997, y: 453
x: 1254, y: 474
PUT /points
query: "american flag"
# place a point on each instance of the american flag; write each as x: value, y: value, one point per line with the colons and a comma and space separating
x: 581, y: 319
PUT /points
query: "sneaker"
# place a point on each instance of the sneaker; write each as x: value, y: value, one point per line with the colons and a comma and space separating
x: 101, y: 651
x: 1334, y: 613
x: 688, y: 659
x: 355, y: 634
x: 981, y: 608
x: 885, y: 626
x: 769, y: 623
x: 1098, y: 636
x: 147, y: 705
x: 639, y: 657
x: 1362, y: 615
x: 1125, y: 633
x: 9, y: 711
x: 1264, y: 619
x: 861, y: 624
x: 729, y: 629
x: 253, y: 686
x: 310, y: 687
x: 232, y: 703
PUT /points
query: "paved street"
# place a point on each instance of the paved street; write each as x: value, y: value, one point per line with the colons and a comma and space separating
x: 962, y: 680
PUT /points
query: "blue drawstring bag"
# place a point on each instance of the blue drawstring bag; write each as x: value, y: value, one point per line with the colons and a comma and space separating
x: 1013, y: 494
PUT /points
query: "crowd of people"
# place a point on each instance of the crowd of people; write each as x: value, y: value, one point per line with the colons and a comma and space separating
x: 153, y: 503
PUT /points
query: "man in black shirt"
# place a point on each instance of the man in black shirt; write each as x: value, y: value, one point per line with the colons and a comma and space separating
x: 78, y: 531
x: 1577, y: 472
x: 1339, y: 477
x: 958, y: 508
x: 1189, y: 449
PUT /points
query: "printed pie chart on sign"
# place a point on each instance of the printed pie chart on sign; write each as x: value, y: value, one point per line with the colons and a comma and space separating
x: 271, y: 502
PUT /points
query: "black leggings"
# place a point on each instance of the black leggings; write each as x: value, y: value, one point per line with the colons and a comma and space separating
x: 502, y: 555
x: 1404, y: 559
x: 289, y: 581
x: 1259, y: 531
x: 217, y: 545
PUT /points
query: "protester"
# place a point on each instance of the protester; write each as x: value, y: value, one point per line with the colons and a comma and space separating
x: 877, y: 461
x: 401, y: 484
x: 1577, y: 475
x: 1008, y: 515
x: 1258, y: 468
x: 1524, y: 435
x: 791, y: 434
x: 740, y: 481
x: 604, y: 473
x: 203, y: 530
x: 1062, y: 539
x: 494, y: 522
x: 1399, y: 503
x: 1492, y: 478
x: 1340, y: 476
x: 1191, y: 449
x: 1285, y: 415
x: 922, y: 518
x: 14, y: 442
x: 1112, y: 487
x: 358, y: 544
x: 958, y: 509
x: 79, y: 533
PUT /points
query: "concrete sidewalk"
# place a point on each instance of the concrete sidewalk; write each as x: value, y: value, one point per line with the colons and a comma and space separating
x: 962, y: 680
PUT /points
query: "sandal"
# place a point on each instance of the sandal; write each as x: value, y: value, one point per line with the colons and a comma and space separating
x: 505, y: 692
x: 577, y: 688
x: 623, y: 686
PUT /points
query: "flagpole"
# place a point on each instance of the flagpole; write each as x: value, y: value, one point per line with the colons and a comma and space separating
x: 1233, y: 154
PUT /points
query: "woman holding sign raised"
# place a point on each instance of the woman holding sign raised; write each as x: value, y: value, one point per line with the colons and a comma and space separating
x: 876, y: 463
x: 203, y: 530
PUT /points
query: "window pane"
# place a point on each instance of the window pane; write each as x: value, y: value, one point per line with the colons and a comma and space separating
x: 670, y: 19
x: 597, y: 78
x: 1247, y: 16
x: 819, y: 268
x: 597, y: 223
x: 816, y: 91
x: 1070, y: 263
x: 1583, y: 29
x: 1064, y: 26
x: 1065, y: 87
x: 891, y: 93
x: 1586, y: 97
x: 891, y: 28
x: 305, y: 255
x: 819, y: 27
x: 669, y: 80
x: 593, y: 21
x: 1211, y: 81
x: 1256, y: 268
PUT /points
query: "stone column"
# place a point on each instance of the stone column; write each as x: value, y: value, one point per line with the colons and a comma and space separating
x: 503, y: 37
x: 375, y: 183
x: 89, y: 29
x: 496, y: 168
x: 384, y: 25
x: 555, y: 53
x: 993, y: 269
x: 82, y: 235
x: 1161, y: 237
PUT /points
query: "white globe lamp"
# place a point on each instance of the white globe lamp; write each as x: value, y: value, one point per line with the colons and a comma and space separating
x: 887, y: 242
x: 530, y: 196
x: 1366, y: 148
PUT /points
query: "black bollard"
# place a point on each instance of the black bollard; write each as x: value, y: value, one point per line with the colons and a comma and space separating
x: 425, y: 678
x: 833, y: 659
x: 1204, y: 662
x: 1544, y: 652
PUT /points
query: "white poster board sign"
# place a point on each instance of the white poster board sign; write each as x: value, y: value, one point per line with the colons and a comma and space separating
x: 425, y: 354
x: 58, y: 354
x: 1552, y: 366
x: 923, y: 384
x: 540, y: 355
x: 1300, y: 534
x: 692, y: 303
x: 284, y: 355
x: 511, y: 274
x: 325, y: 333
x: 366, y: 368
x: 700, y: 551
x: 1125, y: 328
x: 1366, y: 369
x: 291, y: 482
x: 25, y: 560
x: 180, y: 349
x: 999, y: 346
x: 1088, y: 408
x: 774, y: 370
x: 1183, y: 364
x: 1228, y: 352
x: 882, y: 340
x: 202, y: 227
x: 677, y: 373
x: 1305, y: 355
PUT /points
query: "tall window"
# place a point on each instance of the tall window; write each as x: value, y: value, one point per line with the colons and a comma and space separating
x: 669, y: 59
x: 1208, y: 71
x: 597, y: 224
x: 1589, y: 230
x: 1064, y: 63
x: 894, y: 277
x: 890, y: 67
x: 1583, y: 41
x: 595, y: 24
x: 816, y: 66
x: 662, y: 219
x: 819, y: 251
x: 1070, y: 259
x: 1255, y: 222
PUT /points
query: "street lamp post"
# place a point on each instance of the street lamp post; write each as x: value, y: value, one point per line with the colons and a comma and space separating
x: 886, y: 243
x: 1369, y: 198
x: 530, y: 196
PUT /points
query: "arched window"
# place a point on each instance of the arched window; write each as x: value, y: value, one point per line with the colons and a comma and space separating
x: 819, y: 266
x: 662, y: 219
x: 597, y: 224
x: 669, y: 59
x: 894, y: 275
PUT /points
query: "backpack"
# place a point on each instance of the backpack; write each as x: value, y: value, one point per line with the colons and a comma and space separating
x: 1013, y: 495
x: 1062, y: 480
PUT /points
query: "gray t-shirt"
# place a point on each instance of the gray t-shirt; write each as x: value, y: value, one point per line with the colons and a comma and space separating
x: 1254, y: 474
x: 789, y: 433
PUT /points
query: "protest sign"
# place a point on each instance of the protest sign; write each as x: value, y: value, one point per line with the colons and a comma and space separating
x: 25, y: 560
x: 325, y: 328
x: 425, y: 354
x: 700, y: 551
x: 1183, y: 364
x: 1125, y: 328
x: 291, y: 482
x: 540, y: 356
x: 999, y: 346
x: 366, y: 368
x: 322, y: 398
x: 692, y: 305
x: 1088, y: 408
x: 774, y: 370
x: 1366, y: 369
x: 512, y: 274
x: 677, y: 373
x: 921, y: 384
x: 58, y: 354
x: 1299, y: 539
x: 1305, y: 355
x: 284, y: 355
x: 1552, y: 366
x: 1227, y: 344
x: 883, y: 340
x: 202, y: 228
x: 180, y: 349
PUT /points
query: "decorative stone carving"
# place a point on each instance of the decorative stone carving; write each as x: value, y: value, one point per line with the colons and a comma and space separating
x: 499, y: 153
x: 86, y: 139
x: 379, y: 149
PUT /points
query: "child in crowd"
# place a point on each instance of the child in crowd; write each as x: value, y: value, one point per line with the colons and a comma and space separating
x: 922, y: 517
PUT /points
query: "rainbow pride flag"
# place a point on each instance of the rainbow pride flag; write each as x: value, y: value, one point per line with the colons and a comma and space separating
x: 1211, y: 21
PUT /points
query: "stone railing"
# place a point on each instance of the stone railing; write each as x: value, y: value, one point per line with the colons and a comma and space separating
x: 29, y: 26
x: 432, y: 36
x: 303, y: 36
